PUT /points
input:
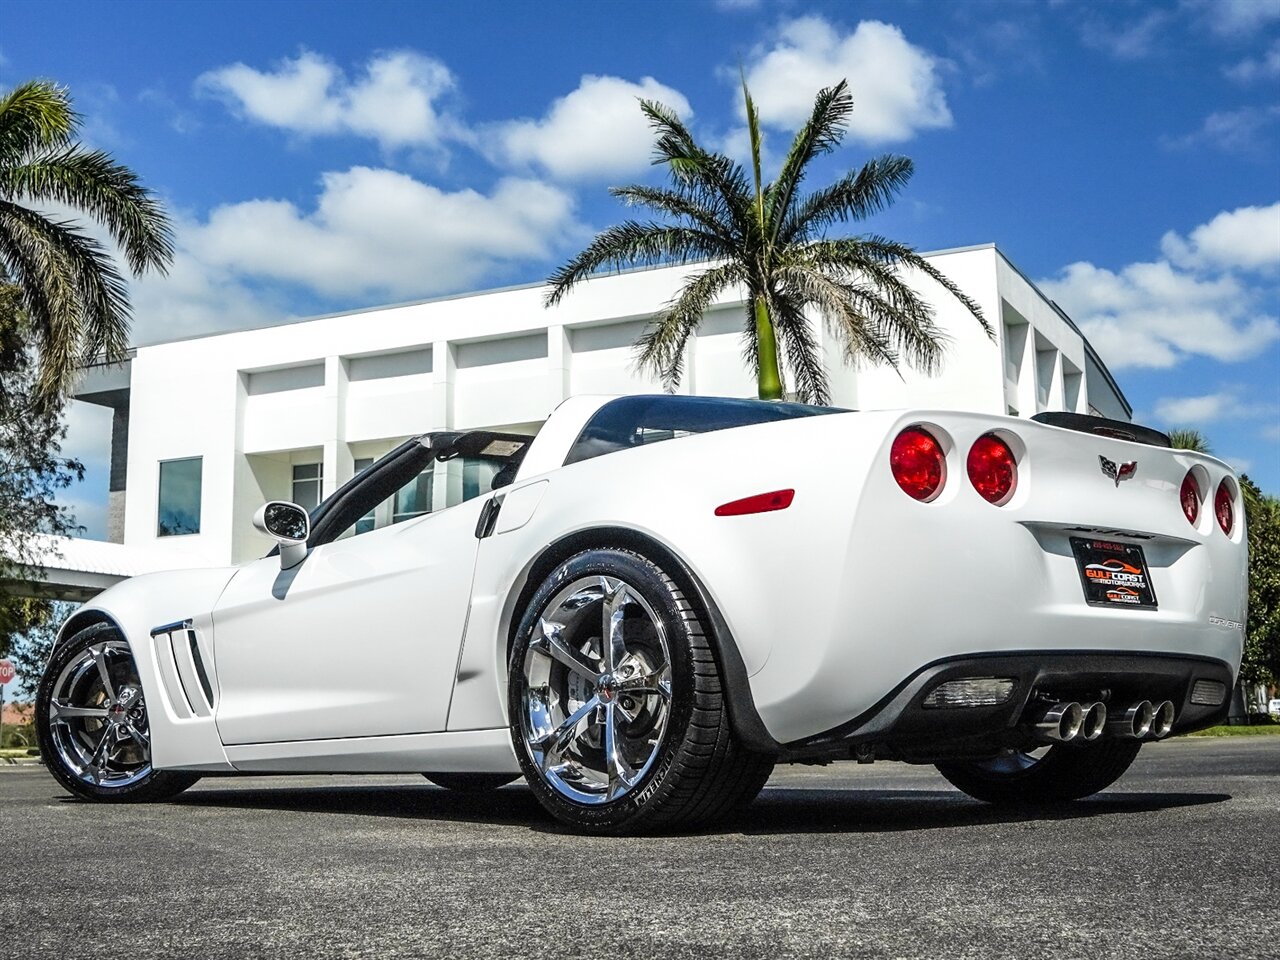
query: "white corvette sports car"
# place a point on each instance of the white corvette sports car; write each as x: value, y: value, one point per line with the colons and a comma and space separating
x: 661, y: 597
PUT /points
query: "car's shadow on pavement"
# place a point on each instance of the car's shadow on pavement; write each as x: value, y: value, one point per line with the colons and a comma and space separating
x: 778, y: 810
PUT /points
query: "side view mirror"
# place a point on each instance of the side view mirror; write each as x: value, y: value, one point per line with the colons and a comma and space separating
x: 288, y: 525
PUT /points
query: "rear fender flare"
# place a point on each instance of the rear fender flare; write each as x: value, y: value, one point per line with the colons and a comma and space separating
x: 743, y: 715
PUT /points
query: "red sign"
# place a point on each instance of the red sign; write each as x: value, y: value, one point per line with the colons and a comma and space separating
x: 7, y: 673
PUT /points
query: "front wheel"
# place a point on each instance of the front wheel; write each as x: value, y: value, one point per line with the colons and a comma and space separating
x: 618, y: 715
x: 91, y: 720
x: 1058, y: 773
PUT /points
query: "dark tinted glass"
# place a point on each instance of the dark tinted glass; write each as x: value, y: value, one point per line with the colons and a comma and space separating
x: 634, y: 421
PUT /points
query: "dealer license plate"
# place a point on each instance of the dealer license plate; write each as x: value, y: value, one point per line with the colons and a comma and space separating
x: 1113, y: 574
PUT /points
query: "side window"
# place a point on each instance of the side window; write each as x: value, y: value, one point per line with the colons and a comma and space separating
x: 414, y: 498
x: 178, y: 510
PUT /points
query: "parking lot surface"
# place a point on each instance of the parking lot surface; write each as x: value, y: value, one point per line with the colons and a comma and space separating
x: 1180, y: 859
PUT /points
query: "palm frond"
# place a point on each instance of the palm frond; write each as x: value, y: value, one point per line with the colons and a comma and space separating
x: 661, y: 348
x: 692, y: 166
x: 35, y: 116
x: 706, y: 211
x: 632, y: 243
x: 847, y: 312
x: 855, y: 196
x: 821, y: 134
x: 802, y: 351
x: 107, y: 191
x: 901, y: 255
x: 83, y: 306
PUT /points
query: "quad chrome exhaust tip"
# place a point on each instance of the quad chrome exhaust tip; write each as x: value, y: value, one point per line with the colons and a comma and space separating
x: 1134, y: 723
x: 1094, y: 721
x: 1162, y: 724
x: 1058, y: 723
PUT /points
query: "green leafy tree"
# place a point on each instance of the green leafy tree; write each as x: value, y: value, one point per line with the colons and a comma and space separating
x: 774, y: 241
x: 30, y: 649
x: 1261, y: 662
x: 74, y: 296
x: 32, y: 472
x: 1262, y: 634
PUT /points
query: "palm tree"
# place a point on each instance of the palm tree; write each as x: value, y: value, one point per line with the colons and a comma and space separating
x: 75, y: 299
x: 1192, y: 440
x: 772, y: 241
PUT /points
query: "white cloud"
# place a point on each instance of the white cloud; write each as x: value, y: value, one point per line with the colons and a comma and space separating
x: 379, y: 232
x: 1247, y: 238
x: 1266, y: 67
x: 1239, y: 464
x: 595, y: 131
x: 1235, y: 17
x: 394, y: 102
x: 1128, y: 41
x: 1159, y: 313
x: 736, y: 5
x: 1207, y: 408
x: 1233, y: 131
x: 895, y: 85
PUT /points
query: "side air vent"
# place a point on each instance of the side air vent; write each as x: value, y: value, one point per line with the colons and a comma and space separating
x: 182, y: 670
x: 1102, y: 427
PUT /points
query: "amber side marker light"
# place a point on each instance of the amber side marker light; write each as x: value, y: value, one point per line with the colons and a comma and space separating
x: 760, y: 503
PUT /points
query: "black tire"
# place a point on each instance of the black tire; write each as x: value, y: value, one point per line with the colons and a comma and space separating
x: 471, y: 782
x: 699, y: 772
x: 1066, y: 772
x: 146, y: 783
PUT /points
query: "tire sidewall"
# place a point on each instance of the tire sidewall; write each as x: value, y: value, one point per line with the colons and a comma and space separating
x: 649, y: 581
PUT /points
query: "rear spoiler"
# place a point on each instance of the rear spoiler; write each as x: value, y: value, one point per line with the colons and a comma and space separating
x: 1102, y: 427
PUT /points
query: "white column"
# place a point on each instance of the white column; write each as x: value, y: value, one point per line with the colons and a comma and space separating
x: 559, y: 361
x: 338, y: 464
x: 444, y: 368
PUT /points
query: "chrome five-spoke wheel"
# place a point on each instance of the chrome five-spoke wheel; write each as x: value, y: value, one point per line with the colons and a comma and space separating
x: 597, y: 690
x: 619, y: 717
x: 98, y: 718
x: 91, y: 719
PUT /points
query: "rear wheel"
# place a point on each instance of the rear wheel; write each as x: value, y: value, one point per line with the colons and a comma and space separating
x: 1058, y: 773
x: 91, y: 720
x: 618, y: 715
x: 471, y: 782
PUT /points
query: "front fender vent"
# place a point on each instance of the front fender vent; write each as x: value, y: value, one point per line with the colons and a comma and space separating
x: 182, y: 670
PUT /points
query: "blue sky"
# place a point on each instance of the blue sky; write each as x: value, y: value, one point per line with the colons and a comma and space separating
x: 327, y: 156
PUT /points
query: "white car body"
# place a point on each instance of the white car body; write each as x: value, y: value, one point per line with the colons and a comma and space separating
x: 389, y: 651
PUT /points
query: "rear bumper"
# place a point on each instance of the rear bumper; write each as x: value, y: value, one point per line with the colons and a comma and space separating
x: 901, y: 727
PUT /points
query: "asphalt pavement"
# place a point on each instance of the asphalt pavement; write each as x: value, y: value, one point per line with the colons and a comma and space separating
x: 1180, y: 859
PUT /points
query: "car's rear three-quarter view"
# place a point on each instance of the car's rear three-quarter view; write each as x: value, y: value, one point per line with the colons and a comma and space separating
x: 656, y: 599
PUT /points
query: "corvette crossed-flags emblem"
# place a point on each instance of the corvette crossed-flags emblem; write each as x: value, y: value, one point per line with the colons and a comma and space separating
x: 1118, y: 471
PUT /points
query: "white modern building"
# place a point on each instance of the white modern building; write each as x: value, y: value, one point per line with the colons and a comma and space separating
x: 207, y: 429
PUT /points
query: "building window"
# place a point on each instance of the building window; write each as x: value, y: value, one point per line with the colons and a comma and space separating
x: 307, y: 478
x: 179, y: 508
x: 414, y: 498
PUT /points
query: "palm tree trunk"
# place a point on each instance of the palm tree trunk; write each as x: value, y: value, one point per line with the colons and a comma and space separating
x: 768, y: 376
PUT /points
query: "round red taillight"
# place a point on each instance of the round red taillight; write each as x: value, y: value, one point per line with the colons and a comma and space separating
x: 992, y: 469
x: 918, y: 463
x: 1190, y: 497
x: 1224, y: 508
